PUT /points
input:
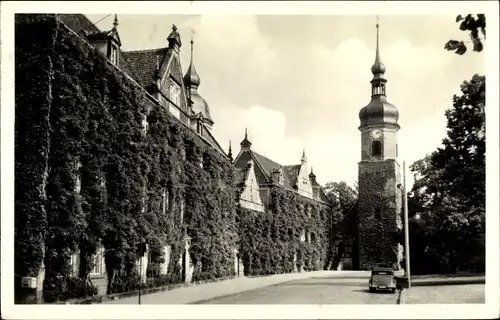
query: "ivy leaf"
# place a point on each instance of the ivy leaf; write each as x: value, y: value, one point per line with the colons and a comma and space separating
x: 452, y: 45
x: 462, y: 49
x: 465, y: 25
x: 478, y: 45
x: 459, y: 17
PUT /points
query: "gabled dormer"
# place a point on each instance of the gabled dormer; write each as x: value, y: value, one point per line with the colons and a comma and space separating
x: 304, y: 186
x: 107, y: 42
x: 250, y: 195
x: 278, y: 175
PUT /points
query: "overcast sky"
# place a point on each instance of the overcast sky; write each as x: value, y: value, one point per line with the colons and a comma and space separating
x: 299, y: 81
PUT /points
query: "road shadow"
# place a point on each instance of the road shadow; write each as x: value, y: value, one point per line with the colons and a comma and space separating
x: 368, y: 291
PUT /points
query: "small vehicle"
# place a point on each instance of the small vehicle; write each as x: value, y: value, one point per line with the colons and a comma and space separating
x: 382, y: 279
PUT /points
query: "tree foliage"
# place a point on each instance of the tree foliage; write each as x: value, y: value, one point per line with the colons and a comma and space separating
x: 447, y: 201
x: 476, y: 26
x: 342, y: 197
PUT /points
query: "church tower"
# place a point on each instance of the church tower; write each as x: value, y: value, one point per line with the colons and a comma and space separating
x: 379, y: 199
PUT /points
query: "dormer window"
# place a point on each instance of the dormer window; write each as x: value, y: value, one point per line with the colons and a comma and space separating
x: 175, y: 93
x: 114, y: 55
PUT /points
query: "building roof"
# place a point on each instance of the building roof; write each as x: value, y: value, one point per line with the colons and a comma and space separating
x: 140, y: 65
x: 143, y: 64
x: 82, y: 26
x: 266, y: 167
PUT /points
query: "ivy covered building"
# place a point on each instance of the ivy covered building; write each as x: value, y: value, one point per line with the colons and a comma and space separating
x: 287, y: 218
x: 119, y: 177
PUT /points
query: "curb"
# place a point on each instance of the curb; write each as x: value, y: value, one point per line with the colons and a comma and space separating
x: 146, y: 291
x: 456, y: 281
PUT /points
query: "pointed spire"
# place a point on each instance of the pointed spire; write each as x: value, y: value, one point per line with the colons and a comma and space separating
x: 312, y: 175
x: 245, y: 144
x: 115, y: 23
x: 378, y: 67
x: 230, y: 152
x: 304, y: 158
x: 192, y: 79
x: 192, y: 43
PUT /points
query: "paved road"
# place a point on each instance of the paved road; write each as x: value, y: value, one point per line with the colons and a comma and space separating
x: 311, y: 291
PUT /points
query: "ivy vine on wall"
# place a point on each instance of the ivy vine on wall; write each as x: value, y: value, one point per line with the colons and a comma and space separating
x: 80, y: 130
x: 271, y: 241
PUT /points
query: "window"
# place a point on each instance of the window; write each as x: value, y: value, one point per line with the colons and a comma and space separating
x: 97, y: 261
x: 145, y: 124
x: 182, y: 210
x: 164, y: 201
x: 75, y: 263
x: 175, y: 93
x: 376, y: 148
x: 378, y: 213
x: 114, y: 55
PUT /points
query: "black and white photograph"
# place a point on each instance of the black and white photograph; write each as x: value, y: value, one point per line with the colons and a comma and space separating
x: 259, y: 160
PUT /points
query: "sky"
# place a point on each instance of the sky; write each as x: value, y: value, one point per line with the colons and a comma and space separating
x: 298, y: 82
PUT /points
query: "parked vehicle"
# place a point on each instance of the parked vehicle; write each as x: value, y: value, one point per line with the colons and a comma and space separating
x: 382, y: 279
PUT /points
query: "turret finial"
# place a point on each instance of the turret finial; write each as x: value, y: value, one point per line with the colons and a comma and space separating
x: 230, y: 152
x: 378, y: 67
x: 115, y: 23
x: 192, y: 43
x: 245, y: 143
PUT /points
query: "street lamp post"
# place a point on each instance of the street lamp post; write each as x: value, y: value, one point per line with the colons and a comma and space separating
x: 406, y: 226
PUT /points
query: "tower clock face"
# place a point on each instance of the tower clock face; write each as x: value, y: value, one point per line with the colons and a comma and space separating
x: 376, y: 134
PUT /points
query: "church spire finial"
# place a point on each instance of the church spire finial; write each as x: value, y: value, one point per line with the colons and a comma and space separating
x: 303, y: 159
x: 378, y: 67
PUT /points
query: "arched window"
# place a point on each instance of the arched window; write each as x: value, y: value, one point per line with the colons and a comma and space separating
x: 376, y: 148
x: 382, y: 88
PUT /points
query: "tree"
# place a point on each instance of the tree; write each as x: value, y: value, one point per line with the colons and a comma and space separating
x: 476, y: 26
x: 342, y: 196
x: 448, y: 197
